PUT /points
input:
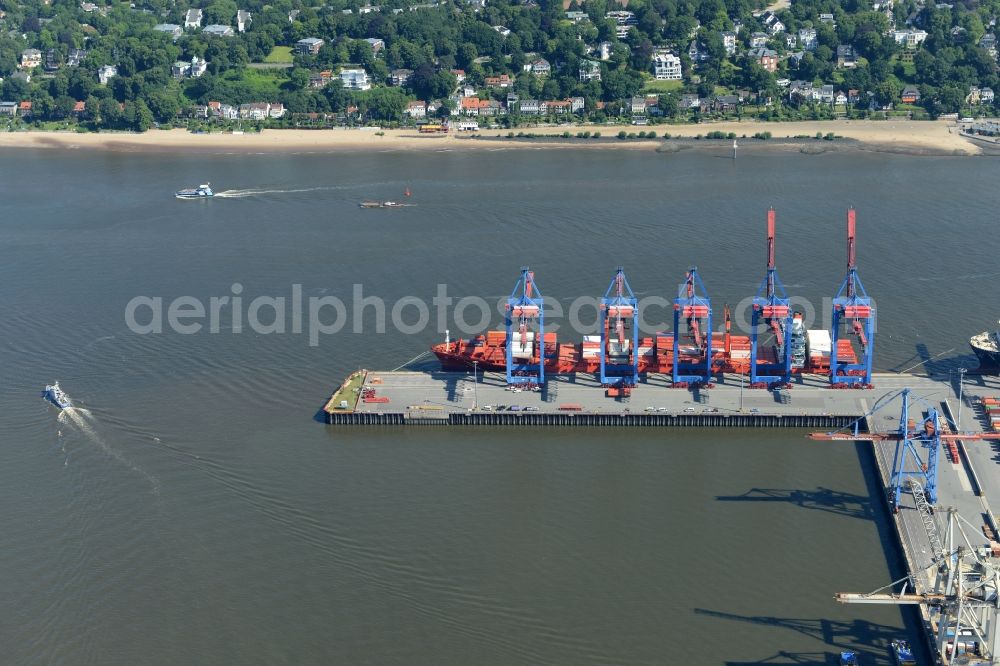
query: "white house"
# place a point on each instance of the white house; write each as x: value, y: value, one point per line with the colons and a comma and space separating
x: 243, y: 19
x: 666, y: 66
x: 729, y: 41
x: 192, y: 19
x: 807, y: 39
x: 416, y: 110
x: 910, y: 37
x: 589, y: 71
x: 355, y: 79
x: 106, y: 73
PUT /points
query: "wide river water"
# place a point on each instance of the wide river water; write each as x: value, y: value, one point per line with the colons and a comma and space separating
x: 192, y: 510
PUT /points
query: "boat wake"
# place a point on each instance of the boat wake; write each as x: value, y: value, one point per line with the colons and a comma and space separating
x: 243, y: 194
x: 82, y: 421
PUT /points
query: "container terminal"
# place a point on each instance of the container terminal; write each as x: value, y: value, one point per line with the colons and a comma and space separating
x: 940, y: 487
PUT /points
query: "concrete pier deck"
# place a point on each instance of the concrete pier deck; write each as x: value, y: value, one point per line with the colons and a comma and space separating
x: 455, y: 398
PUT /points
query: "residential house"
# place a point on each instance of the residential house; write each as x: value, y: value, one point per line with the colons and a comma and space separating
x: 772, y: 23
x: 217, y: 30
x: 24, y: 109
x: 910, y: 95
x: 986, y: 95
x: 559, y: 107
x: 766, y: 58
x: 502, y: 81
x: 576, y: 105
x: 504, y: 32
x: 294, y: 14
x: 53, y: 60
x: 590, y: 70
x: 697, y: 52
x: 214, y: 107
x: 853, y: 96
x: 576, y: 17
x: 79, y: 107
x: 106, y: 73
x: 729, y: 42
x: 355, y: 79
x: 807, y: 39
x: 192, y: 19
x: 276, y: 110
x: 828, y: 18
x: 666, y: 66
x: 75, y: 57
x: 910, y: 38
x: 471, y: 106
x: 320, y: 79
x: 400, y: 77
x: 846, y: 57
x: 171, y: 29
x: 529, y: 107
x: 605, y: 49
x: 30, y: 59
x: 8, y: 108
x: 758, y: 40
x: 791, y: 41
x: 459, y: 75
x: 198, y: 111
x: 637, y: 106
x: 978, y: 96
x: 795, y: 59
x: 243, y: 19
x: 416, y: 109
x: 540, y: 67
x: 255, y: 111
x: 687, y: 102
x: 840, y: 99
x: 309, y: 46
x: 228, y: 112
x: 800, y: 91
x: 376, y: 44
x: 988, y: 43
x: 180, y: 70
x: 725, y: 103
x: 827, y: 94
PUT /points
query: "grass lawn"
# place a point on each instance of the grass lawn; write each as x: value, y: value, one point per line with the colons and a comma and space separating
x: 655, y: 85
x: 279, y: 54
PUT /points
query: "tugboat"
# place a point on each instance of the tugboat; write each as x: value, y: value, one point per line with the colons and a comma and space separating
x: 203, y: 191
x: 986, y: 345
x: 903, y: 653
x: 55, y: 395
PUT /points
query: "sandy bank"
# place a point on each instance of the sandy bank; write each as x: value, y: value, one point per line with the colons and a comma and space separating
x: 912, y: 137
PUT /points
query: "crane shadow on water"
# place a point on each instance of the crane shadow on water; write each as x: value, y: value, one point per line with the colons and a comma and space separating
x: 869, y: 637
x: 821, y: 499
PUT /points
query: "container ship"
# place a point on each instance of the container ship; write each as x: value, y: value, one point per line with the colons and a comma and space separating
x: 730, y: 353
x: 986, y: 346
x: 694, y: 352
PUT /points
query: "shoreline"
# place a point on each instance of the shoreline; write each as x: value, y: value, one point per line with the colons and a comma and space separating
x: 930, y: 138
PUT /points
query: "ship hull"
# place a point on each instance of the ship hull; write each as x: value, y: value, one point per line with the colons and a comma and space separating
x: 989, y: 360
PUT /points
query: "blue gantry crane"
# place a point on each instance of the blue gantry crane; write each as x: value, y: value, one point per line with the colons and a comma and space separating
x: 692, y: 362
x: 525, y: 322
x: 619, y: 355
x: 852, y: 305
x: 771, y: 308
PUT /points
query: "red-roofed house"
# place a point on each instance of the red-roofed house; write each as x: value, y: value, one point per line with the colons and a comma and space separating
x: 79, y: 108
x: 471, y: 106
x: 24, y: 109
x: 502, y: 81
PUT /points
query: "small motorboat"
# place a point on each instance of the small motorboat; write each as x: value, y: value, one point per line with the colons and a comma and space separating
x: 56, y: 396
x: 903, y: 653
x: 203, y: 191
x: 848, y: 658
x: 381, y: 204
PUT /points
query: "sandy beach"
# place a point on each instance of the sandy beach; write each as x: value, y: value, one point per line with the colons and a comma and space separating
x: 910, y: 137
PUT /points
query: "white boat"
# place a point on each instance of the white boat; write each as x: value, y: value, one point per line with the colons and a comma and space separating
x: 55, y: 395
x: 203, y: 191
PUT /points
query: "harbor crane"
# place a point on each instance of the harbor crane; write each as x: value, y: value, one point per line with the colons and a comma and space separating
x: 962, y: 595
x: 917, y: 448
x: 693, y: 362
x: 852, y: 305
x: 771, y: 308
x: 525, y: 322
x: 619, y: 355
